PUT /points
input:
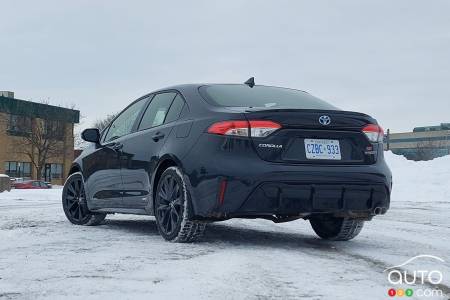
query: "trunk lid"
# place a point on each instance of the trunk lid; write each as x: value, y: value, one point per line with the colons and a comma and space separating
x: 287, y: 145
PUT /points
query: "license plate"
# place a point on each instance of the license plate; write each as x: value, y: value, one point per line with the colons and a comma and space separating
x: 322, y: 149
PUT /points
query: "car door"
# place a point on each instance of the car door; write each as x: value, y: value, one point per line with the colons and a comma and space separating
x: 143, y: 147
x: 102, y: 167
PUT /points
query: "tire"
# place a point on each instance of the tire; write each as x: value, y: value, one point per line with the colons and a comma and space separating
x: 75, y: 205
x: 336, y: 229
x: 172, y: 209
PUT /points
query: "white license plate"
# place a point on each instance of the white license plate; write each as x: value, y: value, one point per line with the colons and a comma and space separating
x: 322, y: 149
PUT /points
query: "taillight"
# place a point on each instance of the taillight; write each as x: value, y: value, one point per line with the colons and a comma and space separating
x: 262, y: 128
x: 258, y: 128
x: 239, y: 128
x: 373, y: 132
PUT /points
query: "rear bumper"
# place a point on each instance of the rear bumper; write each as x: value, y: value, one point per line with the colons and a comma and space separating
x: 352, y: 191
x: 290, y: 198
x: 258, y: 188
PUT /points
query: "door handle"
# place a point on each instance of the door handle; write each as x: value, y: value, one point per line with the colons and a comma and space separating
x: 158, y: 136
x: 117, y: 146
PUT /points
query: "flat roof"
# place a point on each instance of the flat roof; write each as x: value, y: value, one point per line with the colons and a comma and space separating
x: 38, y: 110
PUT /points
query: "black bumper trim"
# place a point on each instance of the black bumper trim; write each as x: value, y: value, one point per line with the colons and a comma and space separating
x: 294, y: 198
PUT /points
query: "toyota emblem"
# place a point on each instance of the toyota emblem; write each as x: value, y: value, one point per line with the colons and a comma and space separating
x: 325, y: 120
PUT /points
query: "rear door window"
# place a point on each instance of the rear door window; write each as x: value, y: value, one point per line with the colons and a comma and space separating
x: 157, y: 110
x: 175, y: 109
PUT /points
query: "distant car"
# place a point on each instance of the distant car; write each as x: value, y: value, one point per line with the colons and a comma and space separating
x: 15, y: 180
x: 32, y: 184
x: 192, y: 154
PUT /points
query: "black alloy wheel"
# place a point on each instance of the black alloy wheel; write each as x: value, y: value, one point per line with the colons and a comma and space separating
x: 172, y: 209
x: 170, y: 205
x: 75, y: 204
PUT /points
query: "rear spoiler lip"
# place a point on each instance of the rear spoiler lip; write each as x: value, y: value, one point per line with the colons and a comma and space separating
x: 264, y: 109
x: 367, y: 118
x: 259, y: 113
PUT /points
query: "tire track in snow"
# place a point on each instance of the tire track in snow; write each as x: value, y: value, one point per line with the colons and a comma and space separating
x: 292, y: 241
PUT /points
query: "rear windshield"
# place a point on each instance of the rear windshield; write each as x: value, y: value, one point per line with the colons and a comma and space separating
x: 261, y: 96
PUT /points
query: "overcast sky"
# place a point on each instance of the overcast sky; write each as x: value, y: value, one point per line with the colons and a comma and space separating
x: 390, y: 59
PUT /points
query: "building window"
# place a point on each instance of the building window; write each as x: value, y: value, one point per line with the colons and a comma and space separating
x: 54, y: 129
x: 25, y: 170
x: 18, y: 169
x: 56, y: 171
x: 19, y: 124
x: 11, y: 168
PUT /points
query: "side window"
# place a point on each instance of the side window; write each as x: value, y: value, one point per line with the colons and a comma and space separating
x: 175, y: 109
x: 123, y: 124
x: 184, y: 111
x: 157, y: 110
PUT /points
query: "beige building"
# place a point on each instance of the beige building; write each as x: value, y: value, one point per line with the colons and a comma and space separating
x: 35, y: 139
x: 423, y: 143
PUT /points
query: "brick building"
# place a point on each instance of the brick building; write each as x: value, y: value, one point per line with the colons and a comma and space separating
x: 35, y: 135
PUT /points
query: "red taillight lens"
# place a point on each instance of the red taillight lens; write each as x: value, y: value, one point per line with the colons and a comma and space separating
x: 262, y: 128
x: 239, y: 128
x: 258, y: 128
x: 373, y: 132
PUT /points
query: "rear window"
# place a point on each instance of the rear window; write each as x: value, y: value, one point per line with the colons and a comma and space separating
x: 239, y: 95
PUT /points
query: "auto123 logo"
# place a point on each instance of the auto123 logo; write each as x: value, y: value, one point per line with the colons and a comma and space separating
x: 418, y: 276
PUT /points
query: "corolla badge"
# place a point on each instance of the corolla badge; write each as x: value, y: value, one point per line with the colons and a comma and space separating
x: 324, y: 120
x: 270, y: 146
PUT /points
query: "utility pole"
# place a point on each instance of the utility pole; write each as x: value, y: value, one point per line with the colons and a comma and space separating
x: 387, y: 139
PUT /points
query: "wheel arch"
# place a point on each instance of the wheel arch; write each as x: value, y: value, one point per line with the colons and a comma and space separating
x: 165, y: 162
x: 76, y: 168
x: 73, y: 169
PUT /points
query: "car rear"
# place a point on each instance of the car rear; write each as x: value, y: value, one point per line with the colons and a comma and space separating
x: 283, y: 152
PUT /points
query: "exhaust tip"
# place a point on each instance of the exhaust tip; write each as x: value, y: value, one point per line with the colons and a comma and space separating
x: 378, y: 211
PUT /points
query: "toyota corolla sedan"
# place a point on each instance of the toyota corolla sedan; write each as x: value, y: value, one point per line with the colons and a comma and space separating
x: 198, y: 153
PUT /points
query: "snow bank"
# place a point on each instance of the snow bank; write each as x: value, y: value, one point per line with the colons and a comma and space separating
x: 422, y: 181
x: 51, y: 195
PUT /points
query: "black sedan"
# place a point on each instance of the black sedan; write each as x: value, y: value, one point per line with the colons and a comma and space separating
x: 197, y: 153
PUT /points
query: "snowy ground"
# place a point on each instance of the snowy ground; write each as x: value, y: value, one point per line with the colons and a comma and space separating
x: 43, y: 256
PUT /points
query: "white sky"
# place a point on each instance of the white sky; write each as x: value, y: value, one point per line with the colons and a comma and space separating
x: 390, y: 59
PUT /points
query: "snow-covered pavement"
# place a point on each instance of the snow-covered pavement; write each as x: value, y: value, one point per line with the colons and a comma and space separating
x: 43, y: 256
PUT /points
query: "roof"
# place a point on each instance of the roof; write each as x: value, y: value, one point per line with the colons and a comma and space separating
x: 38, y: 110
x: 180, y: 87
x: 442, y: 126
x: 197, y: 85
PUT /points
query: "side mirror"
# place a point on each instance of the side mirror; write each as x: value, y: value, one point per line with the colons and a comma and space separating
x: 91, y: 135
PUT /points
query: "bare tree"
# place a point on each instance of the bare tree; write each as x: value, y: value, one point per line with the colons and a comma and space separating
x: 426, y: 150
x: 102, y: 123
x: 78, y: 142
x: 40, y: 143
